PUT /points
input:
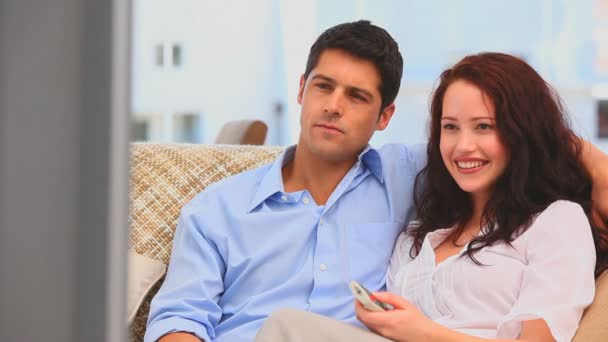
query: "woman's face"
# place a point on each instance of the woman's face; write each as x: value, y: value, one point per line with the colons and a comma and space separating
x: 470, y: 145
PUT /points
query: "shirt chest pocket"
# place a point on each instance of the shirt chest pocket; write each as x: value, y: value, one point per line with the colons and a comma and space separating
x: 370, y: 248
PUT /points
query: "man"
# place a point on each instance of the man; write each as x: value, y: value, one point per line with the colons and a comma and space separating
x: 292, y: 234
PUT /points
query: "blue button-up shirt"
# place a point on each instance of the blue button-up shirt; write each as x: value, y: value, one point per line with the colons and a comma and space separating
x: 244, y: 247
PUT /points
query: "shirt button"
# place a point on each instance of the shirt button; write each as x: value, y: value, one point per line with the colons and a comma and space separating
x: 322, y: 267
x: 306, y: 200
x: 283, y: 198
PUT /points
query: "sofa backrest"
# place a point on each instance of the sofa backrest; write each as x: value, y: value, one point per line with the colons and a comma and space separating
x: 163, y: 178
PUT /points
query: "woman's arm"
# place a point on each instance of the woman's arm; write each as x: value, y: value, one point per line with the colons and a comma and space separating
x: 406, y: 323
x: 532, y: 331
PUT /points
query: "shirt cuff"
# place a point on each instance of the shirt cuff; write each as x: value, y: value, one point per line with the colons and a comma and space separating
x: 158, y: 329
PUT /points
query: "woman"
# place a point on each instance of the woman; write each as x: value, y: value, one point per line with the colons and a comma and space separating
x: 517, y: 256
x: 502, y: 248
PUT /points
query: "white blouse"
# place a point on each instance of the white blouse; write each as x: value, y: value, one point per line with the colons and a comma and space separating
x: 548, y: 274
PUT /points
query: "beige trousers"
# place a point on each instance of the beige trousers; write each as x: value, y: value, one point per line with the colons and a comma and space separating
x: 289, y: 325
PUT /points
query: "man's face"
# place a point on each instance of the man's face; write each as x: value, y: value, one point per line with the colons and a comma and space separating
x: 340, y: 106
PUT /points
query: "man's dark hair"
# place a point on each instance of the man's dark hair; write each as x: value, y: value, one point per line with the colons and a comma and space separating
x: 363, y: 40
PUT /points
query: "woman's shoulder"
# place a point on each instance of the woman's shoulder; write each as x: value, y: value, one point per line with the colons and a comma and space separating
x: 405, y: 241
x: 561, y: 206
x: 559, y: 214
x: 562, y: 211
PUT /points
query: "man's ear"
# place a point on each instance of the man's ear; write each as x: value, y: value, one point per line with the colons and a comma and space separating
x: 301, y: 90
x: 385, y: 117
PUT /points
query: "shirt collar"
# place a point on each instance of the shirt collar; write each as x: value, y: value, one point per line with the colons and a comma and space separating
x: 272, y: 181
x: 371, y: 159
x: 436, y: 237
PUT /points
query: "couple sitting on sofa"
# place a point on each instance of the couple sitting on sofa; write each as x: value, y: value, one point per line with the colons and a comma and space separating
x: 505, y: 244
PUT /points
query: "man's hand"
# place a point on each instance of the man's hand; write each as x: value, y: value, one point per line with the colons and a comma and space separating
x: 179, y: 337
x: 599, y: 201
x: 596, y: 164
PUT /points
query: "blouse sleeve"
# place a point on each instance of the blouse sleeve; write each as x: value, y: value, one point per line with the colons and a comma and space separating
x: 558, y: 281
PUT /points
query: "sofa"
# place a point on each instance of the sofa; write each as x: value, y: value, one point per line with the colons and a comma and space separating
x: 164, y: 177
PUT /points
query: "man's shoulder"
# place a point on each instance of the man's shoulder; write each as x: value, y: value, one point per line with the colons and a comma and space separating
x: 393, y: 150
x: 396, y: 150
x: 401, y: 156
x: 237, y: 188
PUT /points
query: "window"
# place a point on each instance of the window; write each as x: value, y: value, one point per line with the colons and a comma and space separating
x: 187, y: 128
x: 141, y: 130
x: 176, y: 53
x: 159, y: 55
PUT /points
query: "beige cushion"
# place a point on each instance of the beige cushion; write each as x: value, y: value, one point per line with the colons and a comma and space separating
x: 144, y: 272
x: 594, y: 325
x: 243, y: 132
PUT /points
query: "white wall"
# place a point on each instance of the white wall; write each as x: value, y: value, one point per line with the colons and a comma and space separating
x: 242, y: 57
x: 230, y: 60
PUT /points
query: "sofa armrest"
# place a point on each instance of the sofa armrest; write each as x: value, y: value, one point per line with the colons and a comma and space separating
x: 594, y: 324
